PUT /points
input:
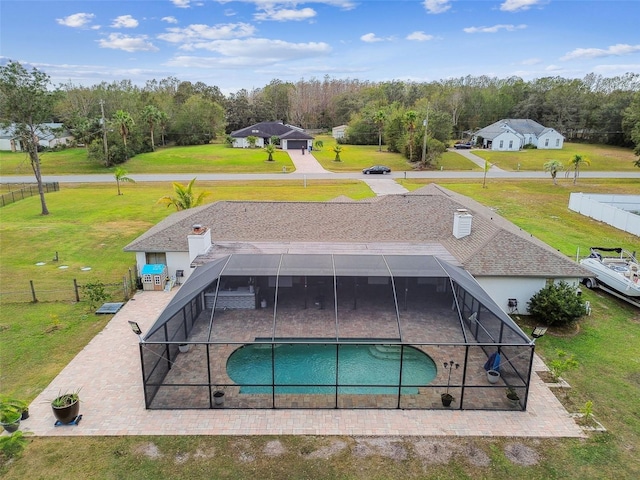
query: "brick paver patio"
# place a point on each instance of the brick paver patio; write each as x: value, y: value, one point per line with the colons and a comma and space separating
x: 108, y: 372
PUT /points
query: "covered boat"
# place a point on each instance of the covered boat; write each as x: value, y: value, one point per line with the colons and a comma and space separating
x: 615, y: 268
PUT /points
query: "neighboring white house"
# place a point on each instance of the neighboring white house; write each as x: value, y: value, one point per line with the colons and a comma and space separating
x: 513, y: 134
x: 507, y: 262
x: 339, y: 132
x: 49, y: 136
x: 291, y: 138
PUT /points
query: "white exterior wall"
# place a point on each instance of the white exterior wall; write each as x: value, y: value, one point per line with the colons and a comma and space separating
x: 243, y: 143
x: 179, y: 261
x: 552, y: 136
x: 501, y: 289
x: 507, y: 137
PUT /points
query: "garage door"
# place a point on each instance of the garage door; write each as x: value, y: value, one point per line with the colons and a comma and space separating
x: 293, y: 144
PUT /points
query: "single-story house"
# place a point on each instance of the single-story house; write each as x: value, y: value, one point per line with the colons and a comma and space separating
x: 291, y: 138
x: 513, y: 134
x: 344, y: 304
x: 49, y: 135
x: 509, y: 263
x: 339, y: 132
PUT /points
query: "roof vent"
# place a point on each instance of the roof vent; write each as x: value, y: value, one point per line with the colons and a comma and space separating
x: 462, y: 223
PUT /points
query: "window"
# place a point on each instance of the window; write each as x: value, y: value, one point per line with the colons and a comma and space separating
x: 546, y: 142
x: 510, y: 144
x: 146, y: 278
x: 501, y: 143
x: 557, y: 142
x: 156, y: 280
x: 158, y: 258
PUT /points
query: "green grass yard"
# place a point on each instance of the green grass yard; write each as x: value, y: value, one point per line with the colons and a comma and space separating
x: 89, y: 225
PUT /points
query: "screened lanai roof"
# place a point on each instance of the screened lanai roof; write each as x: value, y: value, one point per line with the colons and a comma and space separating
x: 327, y: 265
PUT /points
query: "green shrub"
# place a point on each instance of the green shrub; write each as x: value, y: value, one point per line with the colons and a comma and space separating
x: 557, y: 303
x: 12, y: 445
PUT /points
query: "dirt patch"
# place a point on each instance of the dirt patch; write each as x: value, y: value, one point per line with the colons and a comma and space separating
x: 546, y: 377
x: 209, y: 453
x: 520, y: 454
x: 149, y: 450
x: 434, y: 452
x: 475, y: 456
x: 181, y: 458
x: 244, y: 451
x: 329, y: 451
x: 274, y: 448
x: 386, y: 447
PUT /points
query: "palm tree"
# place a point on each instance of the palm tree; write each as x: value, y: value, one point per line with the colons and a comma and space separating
x: 120, y: 175
x: 185, y: 197
x: 379, y: 118
x: 270, y: 149
x: 123, y: 122
x: 553, y: 167
x: 337, y: 149
x: 163, y: 121
x: 151, y: 115
x: 577, y: 161
x: 410, y: 118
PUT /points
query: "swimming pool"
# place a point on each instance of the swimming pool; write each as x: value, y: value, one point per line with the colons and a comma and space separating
x: 311, y: 368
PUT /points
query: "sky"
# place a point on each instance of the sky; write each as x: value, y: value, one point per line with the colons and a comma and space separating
x: 246, y: 44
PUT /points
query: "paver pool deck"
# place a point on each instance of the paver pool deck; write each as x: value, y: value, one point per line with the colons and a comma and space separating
x: 112, y: 403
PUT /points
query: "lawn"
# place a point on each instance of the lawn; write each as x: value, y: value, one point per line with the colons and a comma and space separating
x: 89, y: 225
x: 601, y: 157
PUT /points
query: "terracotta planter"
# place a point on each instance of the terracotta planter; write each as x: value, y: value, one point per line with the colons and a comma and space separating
x: 67, y: 413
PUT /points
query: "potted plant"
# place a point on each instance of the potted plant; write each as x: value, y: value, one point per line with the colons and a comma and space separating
x: 9, y: 416
x: 19, y: 405
x: 66, y: 406
x: 513, y: 397
x: 218, y: 396
x: 446, y: 397
x: 183, y: 347
x: 493, y: 376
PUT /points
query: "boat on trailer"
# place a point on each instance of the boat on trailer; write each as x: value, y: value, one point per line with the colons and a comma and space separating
x: 614, y: 268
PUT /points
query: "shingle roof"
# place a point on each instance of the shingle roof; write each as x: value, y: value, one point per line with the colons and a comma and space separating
x: 495, y: 246
x: 269, y: 129
x: 520, y: 125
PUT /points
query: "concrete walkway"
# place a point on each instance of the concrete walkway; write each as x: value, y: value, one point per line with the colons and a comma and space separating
x: 468, y: 154
x: 305, y: 163
x: 108, y: 373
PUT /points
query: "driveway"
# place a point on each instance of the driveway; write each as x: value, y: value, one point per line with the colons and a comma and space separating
x: 468, y: 154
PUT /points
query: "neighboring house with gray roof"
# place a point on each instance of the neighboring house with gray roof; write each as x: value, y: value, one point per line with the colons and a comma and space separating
x: 49, y: 136
x: 513, y: 134
x: 291, y: 138
x: 507, y: 262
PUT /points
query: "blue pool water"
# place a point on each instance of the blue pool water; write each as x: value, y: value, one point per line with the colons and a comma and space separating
x: 311, y: 368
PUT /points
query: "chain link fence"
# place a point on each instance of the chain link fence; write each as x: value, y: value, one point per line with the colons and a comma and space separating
x: 21, y: 191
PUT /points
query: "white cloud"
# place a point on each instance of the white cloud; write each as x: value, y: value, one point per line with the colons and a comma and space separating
x: 77, y: 20
x: 286, y: 15
x: 494, y: 29
x: 517, y: 5
x: 169, y: 19
x: 252, y: 51
x: 613, y: 50
x: 420, y: 36
x: 437, y: 6
x: 120, y: 41
x: 531, y: 61
x: 124, y: 21
x: 198, y: 32
x: 616, y: 69
x: 182, y: 3
x: 372, y: 38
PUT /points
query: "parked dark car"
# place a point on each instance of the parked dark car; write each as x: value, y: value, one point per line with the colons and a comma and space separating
x: 461, y: 145
x: 376, y: 169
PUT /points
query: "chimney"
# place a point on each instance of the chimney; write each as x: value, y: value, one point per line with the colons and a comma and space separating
x: 199, y: 241
x: 462, y: 223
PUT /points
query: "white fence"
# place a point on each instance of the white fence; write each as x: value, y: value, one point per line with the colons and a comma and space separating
x: 614, y: 210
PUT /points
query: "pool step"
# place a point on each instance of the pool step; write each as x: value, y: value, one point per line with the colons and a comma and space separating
x: 392, y: 352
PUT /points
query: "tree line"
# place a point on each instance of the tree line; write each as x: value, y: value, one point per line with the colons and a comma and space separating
x: 117, y: 120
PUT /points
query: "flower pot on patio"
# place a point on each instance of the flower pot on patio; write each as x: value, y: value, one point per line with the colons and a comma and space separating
x: 446, y: 398
x: 66, y: 407
x: 493, y: 376
x: 218, y: 397
x: 183, y: 347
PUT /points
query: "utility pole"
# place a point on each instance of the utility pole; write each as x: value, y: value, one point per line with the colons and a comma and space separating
x: 424, y: 140
x: 104, y: 135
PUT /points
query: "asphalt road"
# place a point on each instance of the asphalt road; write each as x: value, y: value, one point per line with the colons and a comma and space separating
x: 180, y: 177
